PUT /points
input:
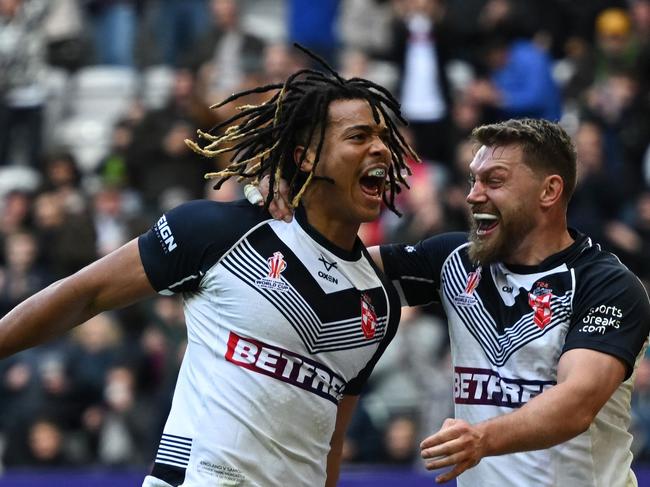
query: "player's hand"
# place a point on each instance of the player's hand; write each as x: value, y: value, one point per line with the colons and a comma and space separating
x: 279, y: 207
x: 457, y: 444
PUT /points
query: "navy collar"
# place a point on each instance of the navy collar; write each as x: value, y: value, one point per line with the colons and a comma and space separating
x: 353, y: 255
x: 567, y: 255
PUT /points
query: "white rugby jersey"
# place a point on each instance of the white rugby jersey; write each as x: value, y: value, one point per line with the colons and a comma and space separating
x: 508, y: 327
x: 280, y: 324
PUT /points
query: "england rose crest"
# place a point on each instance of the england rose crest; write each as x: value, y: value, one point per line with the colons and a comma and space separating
x: 540, y: 300
x: 368, y: 317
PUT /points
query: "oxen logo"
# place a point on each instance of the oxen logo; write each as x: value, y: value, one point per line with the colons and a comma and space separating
x: 368, y: 317
x: 540, y: 300
x: 467, y: 298
x: 273, y: 281
x: 328, y: 265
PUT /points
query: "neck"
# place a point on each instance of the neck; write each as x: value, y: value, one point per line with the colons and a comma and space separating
x: 341, y: 233
x: 541, y: 243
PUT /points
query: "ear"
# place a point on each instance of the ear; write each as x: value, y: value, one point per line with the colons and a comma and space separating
x: 552, y: 190
x: 307, y: 164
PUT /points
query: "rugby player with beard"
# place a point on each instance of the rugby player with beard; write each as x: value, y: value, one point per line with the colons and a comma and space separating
x: 545, y: 327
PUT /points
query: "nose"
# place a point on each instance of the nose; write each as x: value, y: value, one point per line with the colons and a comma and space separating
x: 476, y: 193
x: 378, y: 146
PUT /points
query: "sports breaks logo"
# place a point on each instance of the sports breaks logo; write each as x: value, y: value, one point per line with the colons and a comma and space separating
x: 467, y: 298
x: 273, y: 280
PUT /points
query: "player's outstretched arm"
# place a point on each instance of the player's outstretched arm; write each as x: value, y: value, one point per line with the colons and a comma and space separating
x: 586, y: 380
x: 343, y: 417
x: 114, y: 281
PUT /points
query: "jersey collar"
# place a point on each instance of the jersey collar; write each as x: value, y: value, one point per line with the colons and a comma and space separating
x: 353, y: 255
x: 581, y: 242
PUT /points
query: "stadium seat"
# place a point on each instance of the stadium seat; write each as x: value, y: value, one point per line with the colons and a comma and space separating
x: 87, y: 138
x: 103, y: 92
x: 57, y: 84
x: 18, y: 178
x: 157, y: 82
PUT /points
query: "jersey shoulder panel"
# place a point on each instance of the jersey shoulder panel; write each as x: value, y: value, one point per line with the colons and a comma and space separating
x: 189, y: 239
x: 611, y: 310
x: 416, y: 268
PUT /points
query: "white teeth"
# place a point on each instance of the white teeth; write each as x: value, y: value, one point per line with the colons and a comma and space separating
x: 484, y: 216
x: 377, y: 173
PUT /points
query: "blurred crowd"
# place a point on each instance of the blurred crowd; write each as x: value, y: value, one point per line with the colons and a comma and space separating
x: 98, y: 96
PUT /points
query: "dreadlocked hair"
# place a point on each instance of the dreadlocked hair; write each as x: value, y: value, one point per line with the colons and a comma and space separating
x: 261, y: 139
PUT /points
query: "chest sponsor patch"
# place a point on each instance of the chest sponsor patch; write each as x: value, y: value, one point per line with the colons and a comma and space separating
x: 487, y: 387
x: 286, y: 366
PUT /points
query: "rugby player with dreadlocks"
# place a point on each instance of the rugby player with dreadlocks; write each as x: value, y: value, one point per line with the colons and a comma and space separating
x: 285, y: 321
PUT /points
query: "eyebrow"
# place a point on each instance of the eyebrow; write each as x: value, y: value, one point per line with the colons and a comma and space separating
x: 383, y: 131
x: 490, y: 170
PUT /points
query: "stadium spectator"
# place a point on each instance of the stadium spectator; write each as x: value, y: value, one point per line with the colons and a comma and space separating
x: 66, y: 236
x: 313, y: 25
x: 160, y: 136
x: 519, y: 81
x: 15, y: 214
x: 125, y: 421
x: 401, y: 441
x: 22, y: 81
x: 46, y: 445
x: 177, y: 26
x: 67, y: 45
x: 225, y: 54
x: 21, y: 276
x: 114, y: 28
x: 421, y: 50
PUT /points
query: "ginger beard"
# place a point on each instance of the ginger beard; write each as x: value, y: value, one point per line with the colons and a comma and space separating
x: 514, y: 224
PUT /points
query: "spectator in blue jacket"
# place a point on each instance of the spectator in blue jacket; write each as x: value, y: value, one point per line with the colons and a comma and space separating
x: 519, y: 82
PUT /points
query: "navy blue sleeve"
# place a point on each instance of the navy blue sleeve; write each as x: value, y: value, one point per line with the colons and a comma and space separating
x: 611, y: 313
x: 188, y: 240
x: 415, y: 269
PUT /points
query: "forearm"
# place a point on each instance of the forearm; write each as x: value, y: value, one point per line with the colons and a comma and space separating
x: 549, y: 419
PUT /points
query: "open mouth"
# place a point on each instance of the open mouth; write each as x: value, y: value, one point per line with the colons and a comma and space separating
x: 485, y: 223
x: 372, y: 183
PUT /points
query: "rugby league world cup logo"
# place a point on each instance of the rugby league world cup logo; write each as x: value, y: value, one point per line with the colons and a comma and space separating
x: 273, y: 281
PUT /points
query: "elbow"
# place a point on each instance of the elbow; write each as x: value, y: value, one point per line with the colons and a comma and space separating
x: 582, y: 421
